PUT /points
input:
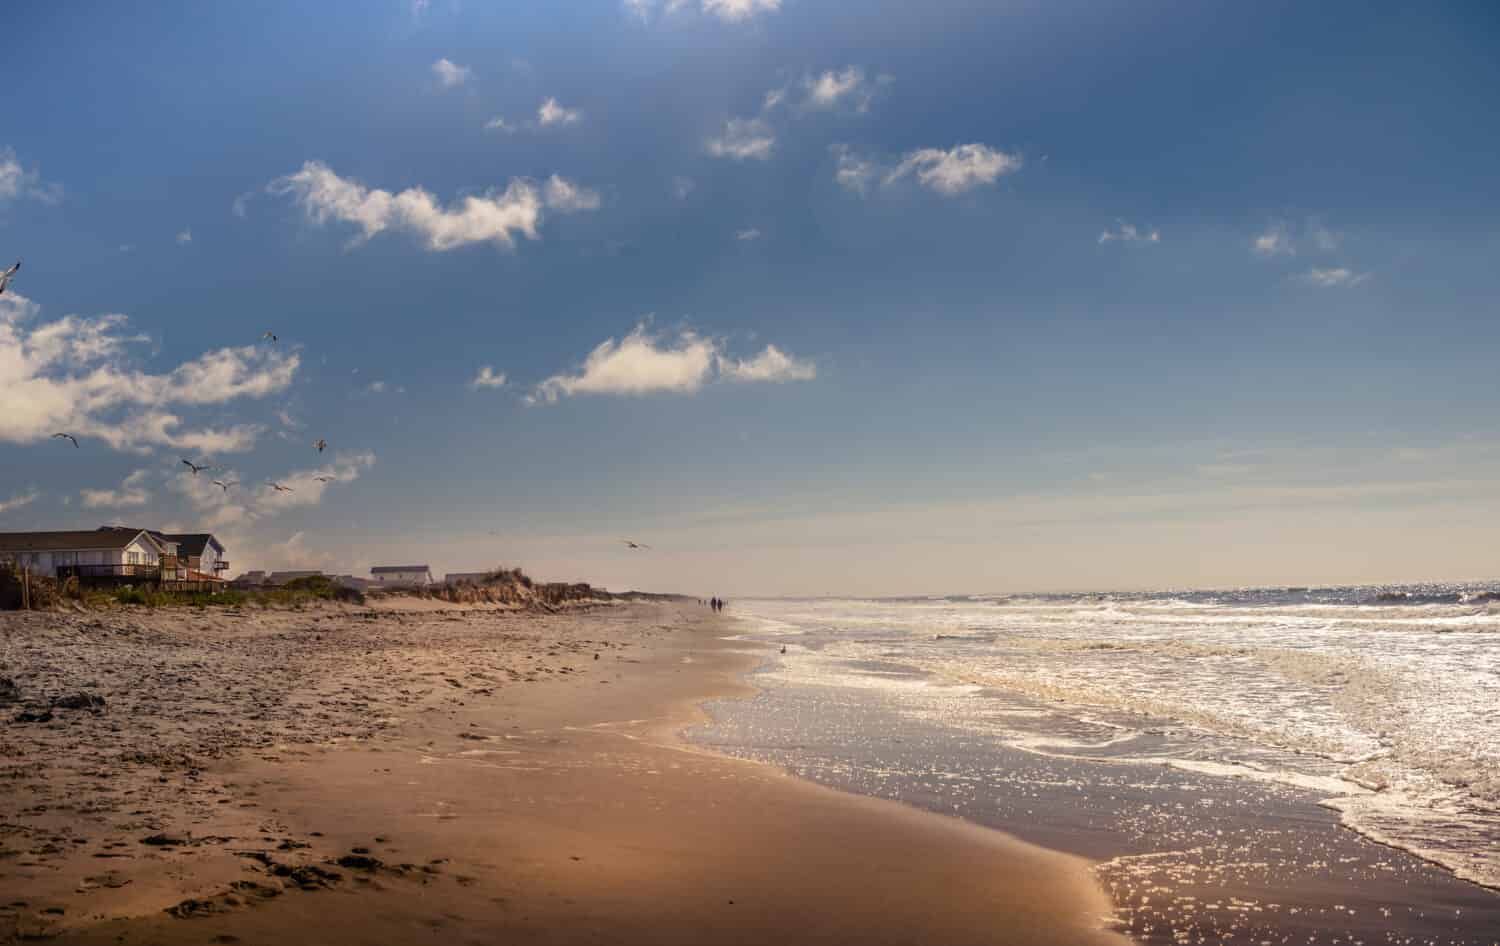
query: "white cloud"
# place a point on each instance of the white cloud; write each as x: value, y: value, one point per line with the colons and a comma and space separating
x: 743, y: 138
x: 959, y: 169
x: 131, y: 492
x: 829, y: 89
x: 74, y: 375
x: 498, y: 123
x: 19, y: 500
x: 1276, y: 241
x: 185, y: 236
x: 771, y: 365
x: 494, y: 217
x: 488, y: 377
x: 376, y: 387
x: 17, y: 183
x: 682, y: 187
x: 730, y: 11
x: 247, y: 501
x: 734, y: 11
x: 1129, y: 234
x: 566, y: 197
x: 642, y: 363
x: 552, y: 113
x: 1333, y: 278
x: 852, y: 172
x: 241, y: 204
x: 450, y: 73
x: 638, y: 364
x: 750, y: 233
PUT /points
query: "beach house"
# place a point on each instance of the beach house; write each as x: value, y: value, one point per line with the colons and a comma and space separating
x: 201, y: 554
x: 104, y: 554
x: 404, y: 575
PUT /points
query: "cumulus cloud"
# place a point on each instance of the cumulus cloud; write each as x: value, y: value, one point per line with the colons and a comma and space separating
x: 498, y: 123
x: 241, y: 204
x: 952, y: 172
x: 748, y: 234
x: 550, y: 112
x: 642, y: 363
x: 834, y: 88
x: 450, y: 73
x: 852, y: 172
x: 184, y: 236
x: 1129, y: 234
x: 742, y: 139
x: 247, y: 502
x: 771, y: 365
x: 493, y: 217
x: 131, y: 492
x: 1333, y: 278
x: 730, y: 11
x: 566, y: 197
x: 17, y: 183
x: 957, y: 170
x: 488, y: 377
x: 19, y: 500
x: 74, y: 374
x: 734, y: 11
x: 1275, y: 241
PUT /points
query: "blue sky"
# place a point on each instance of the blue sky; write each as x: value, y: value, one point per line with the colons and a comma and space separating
x: 810, y: 296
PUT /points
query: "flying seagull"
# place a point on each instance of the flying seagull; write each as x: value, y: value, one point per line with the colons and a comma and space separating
x: 63, y: 436
x: 278, y: 487
x: 324, y: 479
x: 321, y: 444
x: 196, y: 467
x: 634, y: 545
x: 8, y: 275
x: 269, y: 336
x: 225, y: 486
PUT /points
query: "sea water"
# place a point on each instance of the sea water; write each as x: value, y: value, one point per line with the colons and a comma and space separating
x: 1383, y: 704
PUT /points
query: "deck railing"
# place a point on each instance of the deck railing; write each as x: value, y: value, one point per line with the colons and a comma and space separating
x: 119, y: 570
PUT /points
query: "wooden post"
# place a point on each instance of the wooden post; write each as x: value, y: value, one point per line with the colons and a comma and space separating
x: 26, y: 588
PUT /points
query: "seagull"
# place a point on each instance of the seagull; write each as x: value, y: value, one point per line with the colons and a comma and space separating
x: 278, y: 487
x: 269, y: 336
x: 634, y: 545
x: 783, y: 648
x: 321, y: 444
x: 225, y: 486
x: 8, y: 275
x: 65, y: 437
x: 324, y: 479
x: 196, y: 467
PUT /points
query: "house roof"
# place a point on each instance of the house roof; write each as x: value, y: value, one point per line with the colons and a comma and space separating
x: 82, y: 539
x: 193, y: 543
x: 387, y: 569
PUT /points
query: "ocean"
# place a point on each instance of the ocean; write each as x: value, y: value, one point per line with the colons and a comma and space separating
x: 1248, y: 763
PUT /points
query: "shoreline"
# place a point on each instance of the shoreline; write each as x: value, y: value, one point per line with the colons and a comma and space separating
x: 572, y: 811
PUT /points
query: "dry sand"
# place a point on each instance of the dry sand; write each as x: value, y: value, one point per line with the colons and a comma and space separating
x: 346, y: 775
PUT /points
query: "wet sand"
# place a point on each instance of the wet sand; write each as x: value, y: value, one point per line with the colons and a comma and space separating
x: 349, y: 777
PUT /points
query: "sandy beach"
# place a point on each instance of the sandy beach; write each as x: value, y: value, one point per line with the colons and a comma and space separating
x: 364, y: 775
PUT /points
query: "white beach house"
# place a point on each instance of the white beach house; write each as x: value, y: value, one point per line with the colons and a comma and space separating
x: 408, y: 575
x: 97, y: 553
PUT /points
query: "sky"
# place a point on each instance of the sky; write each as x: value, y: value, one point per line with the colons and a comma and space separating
x: 809, y: 297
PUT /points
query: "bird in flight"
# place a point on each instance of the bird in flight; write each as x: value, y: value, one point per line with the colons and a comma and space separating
x: 634, y: 545
x: 324, y: 479
x: 321, y: 444
x: 269, y: 336
x: 64, y: 436
x: 225, y: 486
x: 196, y: 467
x: 8, y: 275
x: 278, y: 487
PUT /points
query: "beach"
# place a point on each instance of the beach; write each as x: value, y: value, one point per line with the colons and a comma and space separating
x: 350, y: 774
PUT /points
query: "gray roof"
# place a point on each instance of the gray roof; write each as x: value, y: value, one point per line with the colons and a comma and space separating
x: 386, y: 569
x: 81, y: 539
x: 193, y: 543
